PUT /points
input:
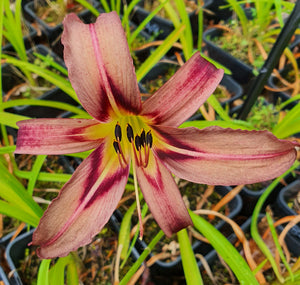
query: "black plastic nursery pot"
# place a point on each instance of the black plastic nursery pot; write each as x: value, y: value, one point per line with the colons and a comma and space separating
x: 273, y: 82
x: 217, y: 12
x: 3, y: 277
x: 11, y: 78
x: 241, y: 71
x: 283, y: 207
x: 162, y: 27
x: 29, y: 39
x: 15, y: 252
x: 53, y: 33
x: 4, y: 266
x: 174, y: 267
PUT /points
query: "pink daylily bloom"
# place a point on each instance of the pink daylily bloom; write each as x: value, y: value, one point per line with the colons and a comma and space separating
x: 127, y: 131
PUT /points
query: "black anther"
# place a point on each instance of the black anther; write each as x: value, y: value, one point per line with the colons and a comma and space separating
x: 116, y: 146
x: 143, y: 138
x: 118, y: 132
x: 129, y: 133
x: 149, y: 139
x: 137, y: 142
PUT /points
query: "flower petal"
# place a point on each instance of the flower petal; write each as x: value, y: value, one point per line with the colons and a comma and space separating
x: 163, y: 197
x: 56, y: 136
x: 100, y: 66
x: 83, y: 206
x: 184, y: 93
x: 219, y: 156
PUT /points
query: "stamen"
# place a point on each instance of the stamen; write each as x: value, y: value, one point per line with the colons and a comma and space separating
x: 143, y: 138
x: 116, y: 147
x: 134, y: 152
x: 138, y: 148
x: 120, y: 153
x: 137, y: 142
x: 129, y: 133
x: 149, y: 139
x: 118, y: 132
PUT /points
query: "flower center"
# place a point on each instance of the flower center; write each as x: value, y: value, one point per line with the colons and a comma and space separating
x: 138, y: 142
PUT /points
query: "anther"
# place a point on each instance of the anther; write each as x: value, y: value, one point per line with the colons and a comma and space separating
x: 118, y: 132
x: 149, y: 139
x: 116, y: 147
x: 143, y: 138
x: 129, y: 133
x: 137, y: 142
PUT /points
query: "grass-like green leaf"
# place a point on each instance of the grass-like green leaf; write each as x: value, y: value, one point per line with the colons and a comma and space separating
x: 12, y: 191
x: 189, y: 263
x: 124, y: 233
x: 226, y: 250
x: 158, y: 53
x: 234, y: 124
x: 43, y: 274
x: 10, y: 120
x: 88, y: 6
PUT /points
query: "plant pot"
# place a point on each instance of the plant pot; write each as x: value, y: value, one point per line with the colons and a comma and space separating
x: 282, y: 209
x: 241, y: 72
x: 52, y: 33
x: 28, y: 39
x: 3, y: 277
x: 10, y: 79
x: 15, y: 252
x: 216, y: 12
x: 174, y: 268
x: 162, y: 27
x: 4, y: 266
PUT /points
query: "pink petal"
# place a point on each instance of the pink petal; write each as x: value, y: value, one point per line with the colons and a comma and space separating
x: 184, y: 93
x: 163, y: 197
x: 219, y: 156
x: 100, y: 66
x: 56, y: 136
x: 83, y: 206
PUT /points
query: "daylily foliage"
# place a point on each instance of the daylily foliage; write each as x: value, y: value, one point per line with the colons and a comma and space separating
x: 126, y: 131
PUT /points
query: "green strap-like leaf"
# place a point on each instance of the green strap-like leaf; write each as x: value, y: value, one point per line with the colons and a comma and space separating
x: 226, y: 250
x: 159, y: 53
x: 189, y: 263
x: 43, y: 274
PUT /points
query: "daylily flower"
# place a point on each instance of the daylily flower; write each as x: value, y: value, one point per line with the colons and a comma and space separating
x: 126, y: 131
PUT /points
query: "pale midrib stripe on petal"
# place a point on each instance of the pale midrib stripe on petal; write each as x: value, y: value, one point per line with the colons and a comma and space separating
x: 102, y: 73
